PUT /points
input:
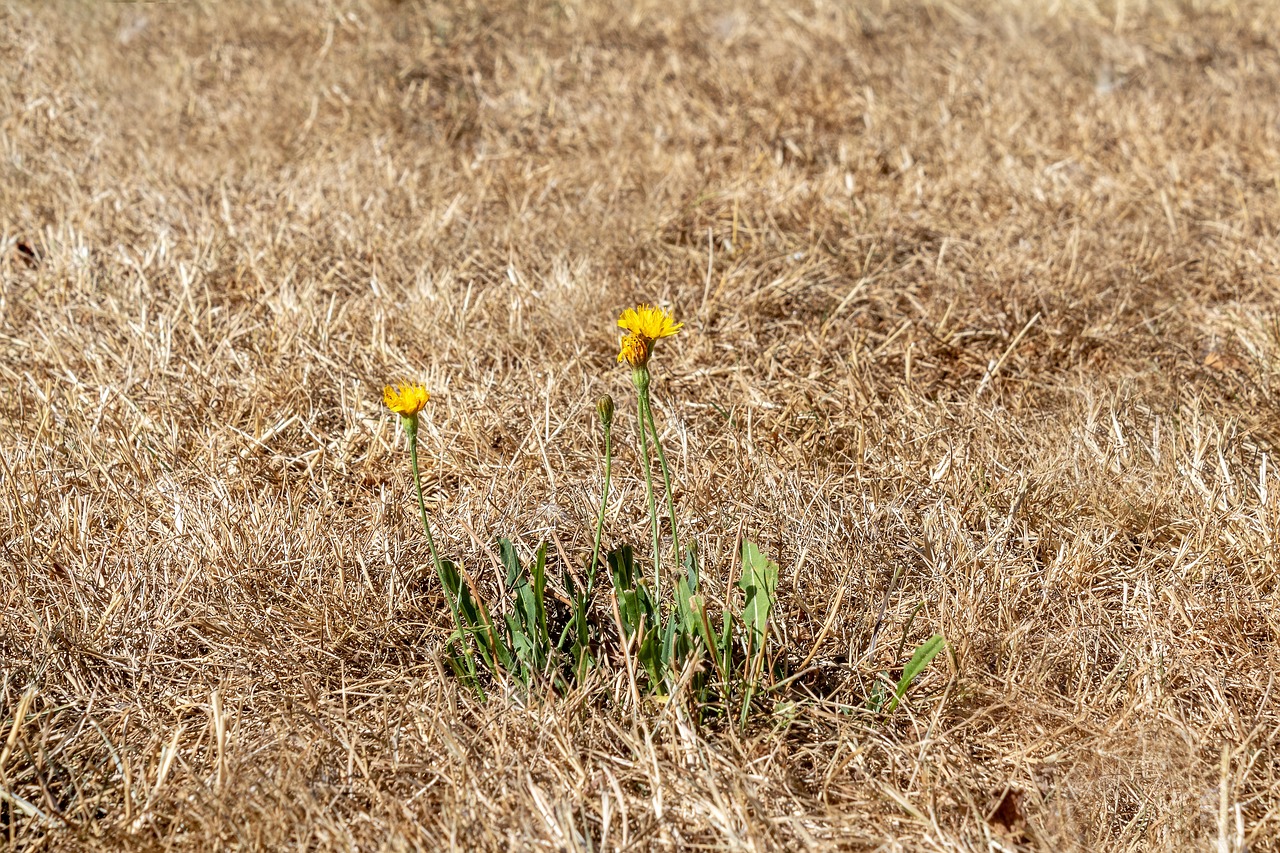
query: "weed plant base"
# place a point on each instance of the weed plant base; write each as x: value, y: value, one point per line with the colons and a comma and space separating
x: 811, y: 426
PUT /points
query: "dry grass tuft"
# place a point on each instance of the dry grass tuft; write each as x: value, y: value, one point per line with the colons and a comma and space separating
x: 979, y: 296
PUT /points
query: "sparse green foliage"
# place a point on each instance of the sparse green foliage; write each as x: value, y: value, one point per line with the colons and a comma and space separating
x: 531, y: 644
x: 522, y: 646
x: 924, y: 653
x: 637, y: 613
x: 578, y: 632
x: 474, y: 627
x: 882, y: 700
x: 759, y: 583
x: 673, y: 647
x: 725, y: 666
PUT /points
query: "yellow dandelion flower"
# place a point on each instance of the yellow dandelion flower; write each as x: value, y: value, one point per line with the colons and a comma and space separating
x: 405, y: 400
x: 634, y: 350
x: 649, y: 322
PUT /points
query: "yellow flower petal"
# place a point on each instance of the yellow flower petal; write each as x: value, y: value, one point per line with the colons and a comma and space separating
x: 406, y: 400
x: 649, y: 322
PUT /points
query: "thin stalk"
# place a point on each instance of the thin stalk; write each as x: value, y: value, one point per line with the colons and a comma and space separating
x: 641, y: 379
x: 604, y: 503
x: 411, y: 427
x: 666, y: 473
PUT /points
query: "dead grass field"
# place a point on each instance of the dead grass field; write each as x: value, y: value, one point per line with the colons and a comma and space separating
x: 980, y: 295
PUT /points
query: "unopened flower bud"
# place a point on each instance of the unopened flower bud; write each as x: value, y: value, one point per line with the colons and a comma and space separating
x: 604, y: 405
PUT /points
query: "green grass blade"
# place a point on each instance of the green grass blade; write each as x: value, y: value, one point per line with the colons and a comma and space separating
x: 759, y: 584
x: 530, y: 641
x: 539, y: 578
x: 475, y: 619
x: 510, y: 560
x: 925, y: 652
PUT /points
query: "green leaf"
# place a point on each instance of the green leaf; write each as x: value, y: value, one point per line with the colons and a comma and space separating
x: 759, y: 584
x: 925, y: 652
x: 634, y: 600
x: 691, y: 565
x: 684, y: 607
x: 686, y: 592
x: 510, y: 559
x: 669, y: 651
x: 539, y: 573
x: 530, y: 639
x: 473, y: 617
x: 622, y: 568
x: 639, y: 614
x: 463, y: 665
x: 702, y: 626
x: 651, y: 658
x: 522, y: 648
x: 875, y: 701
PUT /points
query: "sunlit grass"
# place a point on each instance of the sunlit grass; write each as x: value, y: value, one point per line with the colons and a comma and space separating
x: 977, y: 340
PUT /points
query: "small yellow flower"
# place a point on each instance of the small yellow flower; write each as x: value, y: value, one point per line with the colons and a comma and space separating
x: 649, y: 322
x: 634, y: 350
x: 405, y: 400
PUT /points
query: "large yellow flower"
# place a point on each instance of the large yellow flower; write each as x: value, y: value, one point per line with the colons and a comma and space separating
x: 405, y: 400
x: 644, y: 325
x: 649, y: 322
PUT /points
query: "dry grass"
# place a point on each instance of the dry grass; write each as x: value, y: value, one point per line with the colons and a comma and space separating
x: 981, y: 295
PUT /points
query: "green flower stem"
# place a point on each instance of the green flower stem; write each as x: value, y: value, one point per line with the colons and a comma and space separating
x: 411, y: 427
x: 604, y: 503
x: 666, y: 473
x: 640, y: 378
